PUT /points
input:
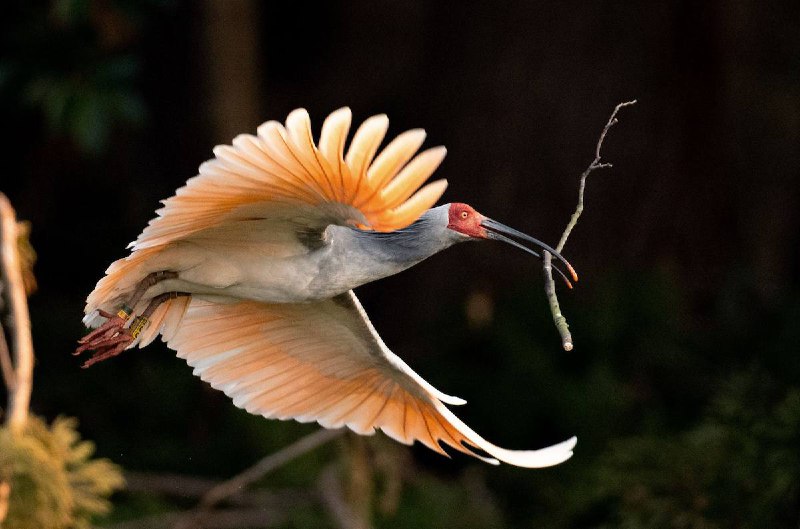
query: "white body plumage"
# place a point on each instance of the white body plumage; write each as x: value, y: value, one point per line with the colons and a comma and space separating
x: 255, y: 260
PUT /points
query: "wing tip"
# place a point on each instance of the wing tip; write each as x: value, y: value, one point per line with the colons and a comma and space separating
x: 541, y: 458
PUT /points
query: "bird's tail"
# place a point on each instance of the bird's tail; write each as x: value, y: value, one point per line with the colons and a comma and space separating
x: 120, y: 280
x: 117, y: 286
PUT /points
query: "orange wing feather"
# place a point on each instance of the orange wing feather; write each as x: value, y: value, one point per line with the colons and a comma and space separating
x: 282, y: 166
x: 324, y: 362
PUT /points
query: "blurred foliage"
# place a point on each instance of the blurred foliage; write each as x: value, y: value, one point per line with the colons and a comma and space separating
x: 738, y: 467
x: 55, y: 483
x: 431, y: 502
x: 75, y: 63
x: 678, y: 425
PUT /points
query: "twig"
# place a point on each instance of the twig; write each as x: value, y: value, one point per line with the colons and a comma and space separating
x: 256, y: 518
x: 192, y: 487
x: 19, y: 322
x: 237, y: 483
x: 168, y: 484
x: 5, y: 492
x: 9, y: 378
x: 268, y: 464
x: 18, y: 374
x: 549, y: 285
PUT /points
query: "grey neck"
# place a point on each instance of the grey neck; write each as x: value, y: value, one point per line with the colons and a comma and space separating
x: 354, y: 257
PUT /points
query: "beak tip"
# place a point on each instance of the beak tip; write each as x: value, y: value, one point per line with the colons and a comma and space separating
x: 573, y: 273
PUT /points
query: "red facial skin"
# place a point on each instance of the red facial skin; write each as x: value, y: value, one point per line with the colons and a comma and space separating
x: 464, y: 219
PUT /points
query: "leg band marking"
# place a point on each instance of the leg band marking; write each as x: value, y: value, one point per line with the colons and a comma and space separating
x: 138, y: 326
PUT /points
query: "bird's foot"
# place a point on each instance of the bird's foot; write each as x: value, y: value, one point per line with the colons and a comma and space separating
x: 112, y: 326
x: 108, y: 340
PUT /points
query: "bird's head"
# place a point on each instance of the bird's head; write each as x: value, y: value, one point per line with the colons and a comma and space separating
x: 463, y: 219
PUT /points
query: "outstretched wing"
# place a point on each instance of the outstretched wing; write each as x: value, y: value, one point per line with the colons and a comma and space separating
x: 324, y: 362
x: 281, y: 175
x: 281, y: 168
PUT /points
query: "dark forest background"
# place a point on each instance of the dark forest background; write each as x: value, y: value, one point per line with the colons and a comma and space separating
x: 684, y: 384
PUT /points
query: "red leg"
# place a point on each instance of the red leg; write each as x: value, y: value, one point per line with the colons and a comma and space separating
x: 108, y: 329
x: 109, y: 348
x: 111, y: 338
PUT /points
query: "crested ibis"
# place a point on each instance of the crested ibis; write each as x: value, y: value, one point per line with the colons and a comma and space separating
x: 248, y: 273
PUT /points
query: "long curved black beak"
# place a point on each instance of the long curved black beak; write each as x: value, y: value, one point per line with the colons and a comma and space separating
x: 498, y: 231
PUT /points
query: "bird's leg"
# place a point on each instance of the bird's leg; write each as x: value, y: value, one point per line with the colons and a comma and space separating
x: 112, y: 335
x: 117, y: 321
x: 110, y: 347
x: 141, y: 321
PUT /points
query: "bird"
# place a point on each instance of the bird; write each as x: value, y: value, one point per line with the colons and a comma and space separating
x: 248, y: 272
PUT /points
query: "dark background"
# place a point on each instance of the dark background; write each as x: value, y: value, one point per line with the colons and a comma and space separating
x: 683, y: 387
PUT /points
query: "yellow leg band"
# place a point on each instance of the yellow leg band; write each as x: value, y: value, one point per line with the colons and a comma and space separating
x: 125, y: 312
x: 138, y: 326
